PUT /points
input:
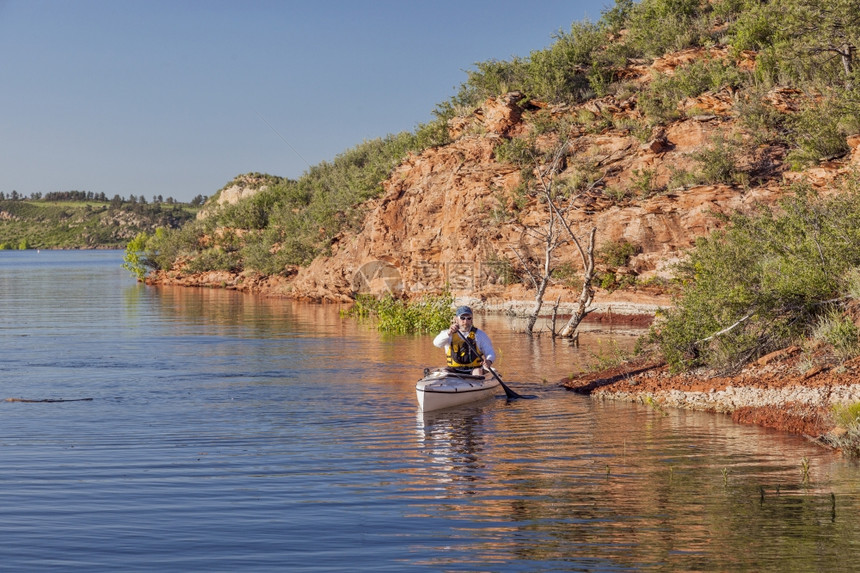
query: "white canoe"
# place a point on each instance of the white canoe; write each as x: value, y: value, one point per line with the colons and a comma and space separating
x: 441, y: 389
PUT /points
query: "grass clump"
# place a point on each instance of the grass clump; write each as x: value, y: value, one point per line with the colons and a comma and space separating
x: 839, y: 331
x: 427, y: 315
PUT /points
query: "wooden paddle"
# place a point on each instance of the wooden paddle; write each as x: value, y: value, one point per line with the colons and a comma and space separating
x: 508, y: 392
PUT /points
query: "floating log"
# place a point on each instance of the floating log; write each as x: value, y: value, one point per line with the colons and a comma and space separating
x: 50, y: 400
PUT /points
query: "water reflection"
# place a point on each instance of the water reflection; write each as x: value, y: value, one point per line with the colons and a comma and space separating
x: 452, y: 442
x: 629, y: 487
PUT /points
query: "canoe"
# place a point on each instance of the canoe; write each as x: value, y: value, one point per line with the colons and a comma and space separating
x: 442, y: 389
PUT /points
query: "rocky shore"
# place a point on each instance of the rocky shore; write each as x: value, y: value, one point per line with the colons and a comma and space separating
x: 788, y: 390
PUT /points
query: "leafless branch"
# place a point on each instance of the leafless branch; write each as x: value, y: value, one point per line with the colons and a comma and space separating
x: 725, y: 330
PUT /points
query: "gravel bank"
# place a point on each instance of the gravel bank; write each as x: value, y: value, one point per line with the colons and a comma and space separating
x: 786, y: 390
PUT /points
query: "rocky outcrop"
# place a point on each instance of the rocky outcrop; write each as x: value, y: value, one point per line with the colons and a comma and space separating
x: 242, y: 187
x: 443, y: 219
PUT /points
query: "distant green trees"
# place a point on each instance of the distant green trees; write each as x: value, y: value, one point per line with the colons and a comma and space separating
x: 47, y: 224
x: 90, y: 196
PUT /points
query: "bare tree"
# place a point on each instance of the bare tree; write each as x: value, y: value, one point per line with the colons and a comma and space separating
x: 557, y: 201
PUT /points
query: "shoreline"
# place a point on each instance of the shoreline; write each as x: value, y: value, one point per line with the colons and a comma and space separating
x: 779, y: 391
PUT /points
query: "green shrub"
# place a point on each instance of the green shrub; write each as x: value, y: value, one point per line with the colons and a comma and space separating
x: 566, y: 71
x: 568, y: 275
x: 764, y: 122
x: 754, y: 28
x: 655, y: 27
x: 251, y: 213
x: 133, y: 259
x: 643, y: 182
x: 215, y: 259
x: 791, y: 50
x: 516, y: 151
x: 819, y: 130
x: 718, y: 163
x: 761, y: 283
x: 617, y: 253
x: 167, y: 246
x: 659, y: 102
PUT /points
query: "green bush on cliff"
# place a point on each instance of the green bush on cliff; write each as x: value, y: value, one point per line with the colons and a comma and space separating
x: 819, y: 130
x: 562, y: 72
x: 659, y: 100
x: 582, y: 63
x: 791, y: 49
x: 655, y: 27
x: 763, y: 281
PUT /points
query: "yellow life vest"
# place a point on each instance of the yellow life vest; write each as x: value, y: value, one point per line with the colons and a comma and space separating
x: 460, y: 354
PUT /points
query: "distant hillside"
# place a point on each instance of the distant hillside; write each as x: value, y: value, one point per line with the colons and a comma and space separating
x: 46, y: 224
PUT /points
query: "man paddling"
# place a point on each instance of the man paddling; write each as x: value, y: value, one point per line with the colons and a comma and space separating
x: 467, y: 348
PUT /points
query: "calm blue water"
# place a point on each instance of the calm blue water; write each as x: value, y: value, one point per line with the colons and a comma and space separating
x: 234, y: 433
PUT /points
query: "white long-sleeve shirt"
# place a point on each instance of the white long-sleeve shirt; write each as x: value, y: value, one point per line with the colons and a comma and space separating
x: 485, y: 347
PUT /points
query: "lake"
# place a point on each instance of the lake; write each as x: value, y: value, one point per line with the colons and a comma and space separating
x: 207, y: 430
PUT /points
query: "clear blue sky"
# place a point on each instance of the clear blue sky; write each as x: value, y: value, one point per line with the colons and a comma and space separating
x: 175, y: 97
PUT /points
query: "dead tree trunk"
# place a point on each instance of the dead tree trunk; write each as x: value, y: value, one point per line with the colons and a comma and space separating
x: 586, y: 295
x: 539, y: 284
